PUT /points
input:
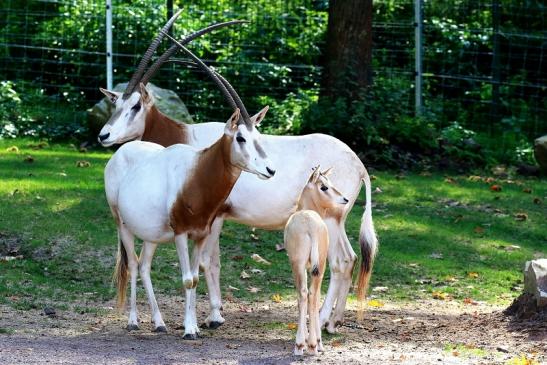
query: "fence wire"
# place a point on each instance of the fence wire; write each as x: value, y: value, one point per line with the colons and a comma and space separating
x: 483, y: 60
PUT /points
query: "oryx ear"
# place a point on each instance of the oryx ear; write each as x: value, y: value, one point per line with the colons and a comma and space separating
x: 231, y: 124
x: 111, y: 95
x: 257, y: 118
x: 315, y: 174
x: 327, y: 172
x: 146, y: 98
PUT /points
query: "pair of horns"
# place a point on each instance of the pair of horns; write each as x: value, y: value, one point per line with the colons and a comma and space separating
x: 227, y: 90
x: 138, y: 77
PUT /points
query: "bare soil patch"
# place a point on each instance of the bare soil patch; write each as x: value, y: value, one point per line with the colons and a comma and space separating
x: 423, y: 332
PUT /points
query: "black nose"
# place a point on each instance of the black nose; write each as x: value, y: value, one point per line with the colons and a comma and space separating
x: 345, y: 200
x: 272, y: 172
x: 102, y: 137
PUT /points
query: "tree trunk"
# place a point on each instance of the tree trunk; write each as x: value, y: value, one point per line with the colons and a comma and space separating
x: 348, y: 53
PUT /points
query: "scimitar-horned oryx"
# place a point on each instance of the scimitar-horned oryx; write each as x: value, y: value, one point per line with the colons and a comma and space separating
x: 267, y: 204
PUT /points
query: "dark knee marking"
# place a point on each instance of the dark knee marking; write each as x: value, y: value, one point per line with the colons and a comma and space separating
x: 299, y: 346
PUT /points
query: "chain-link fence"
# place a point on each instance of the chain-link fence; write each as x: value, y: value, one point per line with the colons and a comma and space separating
x: 483, y: 61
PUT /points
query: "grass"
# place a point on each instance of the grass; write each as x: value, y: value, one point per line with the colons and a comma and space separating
x: 450, y: 235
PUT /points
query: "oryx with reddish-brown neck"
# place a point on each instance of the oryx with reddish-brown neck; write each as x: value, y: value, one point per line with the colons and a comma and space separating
x: 174, y: 194
x: 268, y: 205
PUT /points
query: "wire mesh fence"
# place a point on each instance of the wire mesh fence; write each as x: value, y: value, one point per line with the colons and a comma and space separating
x: 483, y: 60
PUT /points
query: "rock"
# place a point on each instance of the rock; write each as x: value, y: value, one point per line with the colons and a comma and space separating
x: 540, y: 152
x: 535, y: 280
x: 48, y: 311
x: 166, y: 100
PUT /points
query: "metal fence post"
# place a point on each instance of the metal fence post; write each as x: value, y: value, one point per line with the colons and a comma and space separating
x: 418, y: 25
x: 496, y: 74
x: 109, y: 75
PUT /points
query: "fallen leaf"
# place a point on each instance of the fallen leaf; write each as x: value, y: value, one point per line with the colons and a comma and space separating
x: 256, y: 257
x: 254, y: 237
x: 83, y: 163
x: 292, y: 326
x: 373, y: 177
x: 14, y: 149
x: 521, y: 217
x: 474, y: 178
x: 478, y: 230
x: 489, y: 180
x: 450, y: 180
x: 245, y: 309
x: 439, y: 295
x: 336, y: 343
x: 233, y: 346
x: 244, y: 275
x: 436, y: 256
x: 232, y: 287
x: 458, y: 218
x: 377, y: 191
x: 253, y: 289
x: 237, y: 258
x: 496, y: 188
x: 380, y: 289
x: 414, y: 265
x: 279, y: 247
x: 256, y: 271
x: 537, y: 201
x: 527, y: 190
x: 276, y: 298
x: 469, y: 301
x: 455, y: 353
x: 473, y: 275
x: 28, y: 159
x: 451, y: 279
x: 523, y: 360
x: 375, y: 303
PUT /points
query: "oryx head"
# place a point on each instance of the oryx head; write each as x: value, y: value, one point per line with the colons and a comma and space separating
x: 127, y: 122
x: 247, y: 151
x: 319, y: 192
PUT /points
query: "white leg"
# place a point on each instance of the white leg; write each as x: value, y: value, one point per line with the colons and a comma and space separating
x: 128, y: 240
x: 347, y: 266
x: 335, y: 259
x: 313, y: 309
x: 145, y: 260
x: 190, y: 325
x: 210, y: 263
x: 301, y: 282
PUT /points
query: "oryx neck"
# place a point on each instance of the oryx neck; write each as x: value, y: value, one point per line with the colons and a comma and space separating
x: 206, y: 189
x: 161, y: 129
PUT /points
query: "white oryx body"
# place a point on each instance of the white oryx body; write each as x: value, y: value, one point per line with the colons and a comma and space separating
x: 163, y: 194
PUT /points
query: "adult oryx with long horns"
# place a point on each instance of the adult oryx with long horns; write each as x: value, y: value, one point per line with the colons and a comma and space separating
x: 266, y: 204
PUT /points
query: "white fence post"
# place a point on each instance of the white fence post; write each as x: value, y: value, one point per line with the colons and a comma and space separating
x: 109, y: 76
x: 418, y: 25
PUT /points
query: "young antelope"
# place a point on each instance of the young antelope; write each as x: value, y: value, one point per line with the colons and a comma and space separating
x: 307, y: 245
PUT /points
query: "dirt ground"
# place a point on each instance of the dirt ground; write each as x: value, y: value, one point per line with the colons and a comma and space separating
x: 423, y: 332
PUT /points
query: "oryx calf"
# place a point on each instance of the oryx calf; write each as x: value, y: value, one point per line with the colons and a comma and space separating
x: 307, y: 244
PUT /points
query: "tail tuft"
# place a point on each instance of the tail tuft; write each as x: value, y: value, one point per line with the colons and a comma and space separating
x: 120, y: 276
x: 315, y: 270
x: 369, y: 244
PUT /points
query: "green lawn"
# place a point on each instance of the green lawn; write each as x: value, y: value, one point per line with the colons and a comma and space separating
x: 442, y: 234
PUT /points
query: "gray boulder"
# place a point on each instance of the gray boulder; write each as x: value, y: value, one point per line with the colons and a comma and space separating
x: 166, y: 100
x: 535, y: 281
x: 540, y: 152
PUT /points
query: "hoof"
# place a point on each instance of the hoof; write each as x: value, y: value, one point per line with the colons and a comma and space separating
x: 190, y: 336
x: 132, y: 327
x: 160, y: 329
x: 299, y: 350
x: 214, y: 325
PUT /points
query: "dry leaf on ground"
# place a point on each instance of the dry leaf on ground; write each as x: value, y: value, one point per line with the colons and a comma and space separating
x: 244, y: 275
x: 473, y: 275
x: 375, y: 303
x: 276, y: 298
x: 440, y: 295
x: 521, y: 216
x: 496, y: 188
x: 257, y: 258
x: 83, y: 163
x: 253, y: 289
x: 292, y: 326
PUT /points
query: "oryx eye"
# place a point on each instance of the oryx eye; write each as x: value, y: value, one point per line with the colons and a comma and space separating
x: 240, y: 139
x: 136, y: 107
x: 324, y: 188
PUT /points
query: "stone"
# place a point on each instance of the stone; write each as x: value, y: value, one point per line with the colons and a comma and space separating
x: 540, y: 152
x: 535, y: 281
x: 167, y: 101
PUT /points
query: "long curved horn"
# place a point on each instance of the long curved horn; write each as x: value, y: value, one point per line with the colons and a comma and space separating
x: 167, y: 54
x: 212, y: 75
x: 216, y: 75
x: 132, y: 84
